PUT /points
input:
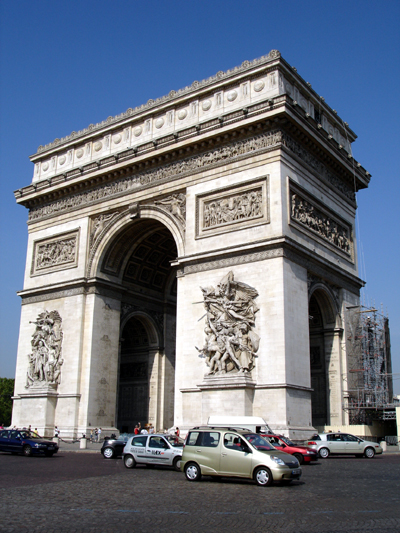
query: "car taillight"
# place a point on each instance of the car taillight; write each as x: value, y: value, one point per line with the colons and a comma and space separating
x: 311, y: 442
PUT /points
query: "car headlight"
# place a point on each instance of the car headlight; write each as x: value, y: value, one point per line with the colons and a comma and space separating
x: 277, y: 460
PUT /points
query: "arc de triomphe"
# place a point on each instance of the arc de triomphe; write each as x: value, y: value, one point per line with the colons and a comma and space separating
x: 191, y: 257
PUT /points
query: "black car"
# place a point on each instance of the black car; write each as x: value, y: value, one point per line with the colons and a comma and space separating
x: 114, y: 447
x: 25, y: 442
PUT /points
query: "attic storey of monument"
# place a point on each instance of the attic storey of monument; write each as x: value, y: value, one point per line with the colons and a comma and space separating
x: 213, y: 217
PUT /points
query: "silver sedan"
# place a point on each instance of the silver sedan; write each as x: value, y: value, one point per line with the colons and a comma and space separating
x: 151, y: 450
x: 342, y: 444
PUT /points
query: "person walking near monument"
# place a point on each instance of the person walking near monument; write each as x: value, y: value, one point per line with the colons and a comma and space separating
x: 99, y: 435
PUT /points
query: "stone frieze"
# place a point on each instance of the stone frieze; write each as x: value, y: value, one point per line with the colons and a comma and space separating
x: 169, y: 171
x: 239, y: 206
x: 56, y: 253
x: 308, y: 215
x: 319, y: 167
x: 189, y: 166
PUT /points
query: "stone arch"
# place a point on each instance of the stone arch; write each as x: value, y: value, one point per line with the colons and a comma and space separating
x: 152, y: 329
x: 127, y: 221
x: 325, y: 360
x: 134, y: 255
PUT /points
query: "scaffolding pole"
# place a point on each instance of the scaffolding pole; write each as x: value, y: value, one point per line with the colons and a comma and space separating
x: 369, y: 377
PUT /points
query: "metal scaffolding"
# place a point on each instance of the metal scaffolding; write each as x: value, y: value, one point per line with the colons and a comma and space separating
x: 369, y: 378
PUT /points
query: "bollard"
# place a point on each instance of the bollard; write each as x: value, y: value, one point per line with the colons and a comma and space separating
x: 83, y: 443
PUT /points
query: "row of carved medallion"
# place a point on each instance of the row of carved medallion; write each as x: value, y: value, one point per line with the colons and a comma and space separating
x: 191, y: 165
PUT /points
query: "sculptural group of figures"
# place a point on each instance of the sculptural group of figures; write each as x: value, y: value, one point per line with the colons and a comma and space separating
x: 237, y: 207
x: 45, y: 360
x: 307, y: 214
x: 56, y: 253
x: 231, y: 344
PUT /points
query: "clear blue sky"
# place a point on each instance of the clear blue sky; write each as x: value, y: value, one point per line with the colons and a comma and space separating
x: 65, y: 65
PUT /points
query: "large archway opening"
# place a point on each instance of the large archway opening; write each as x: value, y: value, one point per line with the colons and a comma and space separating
x: 324, y: 359
x: 141, y: 256
x: 318, y: 365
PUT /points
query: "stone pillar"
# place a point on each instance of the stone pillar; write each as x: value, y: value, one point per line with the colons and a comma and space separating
x: 155, y: 378
x: 334, y: 377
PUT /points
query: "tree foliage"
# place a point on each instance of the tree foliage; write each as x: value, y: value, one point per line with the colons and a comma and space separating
x: 6, y: 392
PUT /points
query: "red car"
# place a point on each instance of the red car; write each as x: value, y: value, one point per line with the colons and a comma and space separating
x: 302, y: 453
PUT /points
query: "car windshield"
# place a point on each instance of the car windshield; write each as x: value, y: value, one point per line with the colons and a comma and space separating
x: 258, y: 442
x: 125, y: 436
x: 174, y: 441
x: 29, y: 435
x: 287, y: 441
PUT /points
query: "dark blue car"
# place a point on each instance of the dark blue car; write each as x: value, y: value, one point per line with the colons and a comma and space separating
x: 24, y: 442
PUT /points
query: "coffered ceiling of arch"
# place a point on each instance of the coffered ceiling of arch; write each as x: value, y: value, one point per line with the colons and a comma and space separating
x: 151, y: 248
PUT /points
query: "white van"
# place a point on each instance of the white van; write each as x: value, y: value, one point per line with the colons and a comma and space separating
x: 256, y: 424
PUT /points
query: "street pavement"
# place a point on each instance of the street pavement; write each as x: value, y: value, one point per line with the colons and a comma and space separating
x: 80, y: 491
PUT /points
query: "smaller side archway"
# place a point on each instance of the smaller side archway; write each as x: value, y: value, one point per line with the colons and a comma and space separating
x: 325, y: 357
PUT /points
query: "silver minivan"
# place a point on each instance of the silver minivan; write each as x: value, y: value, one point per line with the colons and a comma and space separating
x: 218, y: 452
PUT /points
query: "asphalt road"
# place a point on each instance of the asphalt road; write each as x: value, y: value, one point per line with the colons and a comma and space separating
x: 82, y: 492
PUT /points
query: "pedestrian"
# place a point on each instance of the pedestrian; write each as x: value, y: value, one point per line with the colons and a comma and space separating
x: 95, y: 435
x: 177, y: 432
x: 136, y: 430
x: 144, y: 431
x: 56, y: 432
x: 151, y: 428
x: 99, y: 435
x: 91, y: 435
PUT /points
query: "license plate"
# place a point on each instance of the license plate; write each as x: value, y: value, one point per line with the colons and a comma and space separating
x: 296, y: 472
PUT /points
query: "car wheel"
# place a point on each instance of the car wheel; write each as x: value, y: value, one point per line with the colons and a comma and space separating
x: 263, y: 476
x: 177, y: 464
x: 324, y: 453
x: 192, y: 472
x: 299, y: 457
x: 108, y: 453
x: 369, y: 453
x: 49, y: 454
x: 27, y: 450
x: 129, y: 461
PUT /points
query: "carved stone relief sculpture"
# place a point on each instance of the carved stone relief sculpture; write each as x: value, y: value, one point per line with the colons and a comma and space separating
x: 231, y: 343
x: 56, y: 253
x: 99, y: 223
x: 45, y: 360
x: 176, y: 205
x: 238, y: 207
x: 308, y: 215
